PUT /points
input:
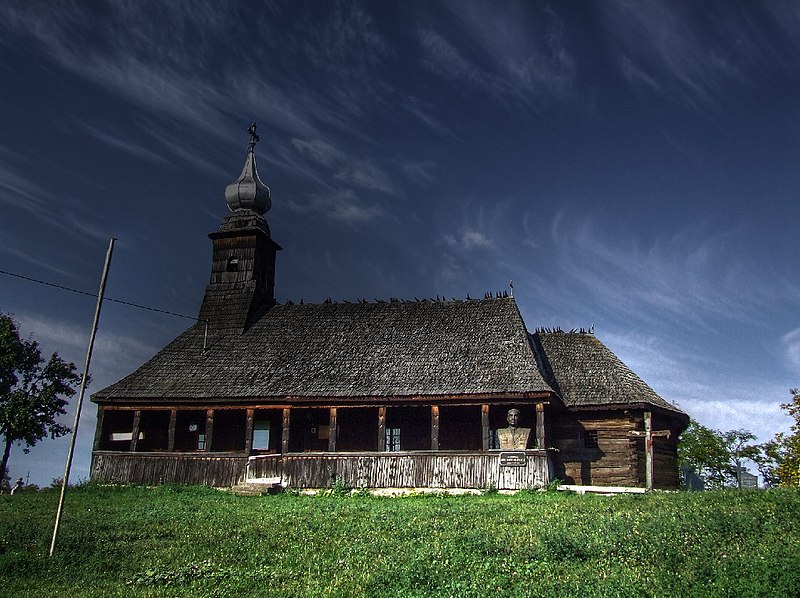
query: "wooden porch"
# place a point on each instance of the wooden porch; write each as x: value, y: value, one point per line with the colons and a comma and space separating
x: 503, y: 470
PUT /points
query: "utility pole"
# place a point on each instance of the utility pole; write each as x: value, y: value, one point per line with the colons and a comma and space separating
x: 84, y: 381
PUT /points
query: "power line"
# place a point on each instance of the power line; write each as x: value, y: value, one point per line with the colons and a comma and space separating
x: 79, y: 292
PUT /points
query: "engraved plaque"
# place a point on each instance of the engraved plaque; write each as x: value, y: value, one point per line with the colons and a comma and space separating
x: 513, y: 459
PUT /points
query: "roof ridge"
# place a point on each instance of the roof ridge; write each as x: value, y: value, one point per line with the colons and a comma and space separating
x: 377, y: 301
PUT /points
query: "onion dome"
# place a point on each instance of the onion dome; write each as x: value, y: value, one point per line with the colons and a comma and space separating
x: 248, y: 192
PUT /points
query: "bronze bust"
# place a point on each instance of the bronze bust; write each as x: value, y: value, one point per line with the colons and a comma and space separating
x: 513, y: 437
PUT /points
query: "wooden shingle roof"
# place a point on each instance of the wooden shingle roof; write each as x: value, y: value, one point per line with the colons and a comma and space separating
x: 347, y: 350
x: 585, y: 373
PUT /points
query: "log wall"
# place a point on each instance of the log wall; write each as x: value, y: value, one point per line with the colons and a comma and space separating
x: 619, y: 458
x: 614, y: 462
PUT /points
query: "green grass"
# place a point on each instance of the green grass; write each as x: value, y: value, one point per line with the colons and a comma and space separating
x: 178, y: 541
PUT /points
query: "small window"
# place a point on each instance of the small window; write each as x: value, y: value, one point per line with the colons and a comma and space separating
x: 494, y: 440
x: 233, y: 264
x: 590, y: 439
x: 261, y: 431
x: 392, y: 439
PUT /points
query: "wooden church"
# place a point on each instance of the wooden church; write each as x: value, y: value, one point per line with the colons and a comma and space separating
x: 396, y: 394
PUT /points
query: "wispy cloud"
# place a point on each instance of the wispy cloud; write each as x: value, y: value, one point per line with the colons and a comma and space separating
x: 686, y: 278
x: 689, y: 53
x: 424, y: 112
x: 468, y: 240
x: 510, y: 54
x: 423, y: 172
x: 706, y: 388
x: 319, y: 151
x: 118, y: 140
x: 367, y: 175
x: 166, y: 59
x: 360, y: 172
x: 791, y: 346
x: 343, y: 206
x: 113, y: 352
x: 17, y: 191
x: 67, y: 214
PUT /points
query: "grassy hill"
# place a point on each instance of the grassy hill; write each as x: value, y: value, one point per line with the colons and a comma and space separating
x: 179, y: 541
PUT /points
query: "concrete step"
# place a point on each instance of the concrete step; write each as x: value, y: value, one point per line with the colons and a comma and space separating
x: 258, y: 487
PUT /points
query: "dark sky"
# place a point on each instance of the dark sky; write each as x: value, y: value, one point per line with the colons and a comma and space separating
x: 629, y: 165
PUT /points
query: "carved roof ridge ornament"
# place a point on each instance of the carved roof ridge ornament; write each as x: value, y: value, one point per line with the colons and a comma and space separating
x: 248, y: 192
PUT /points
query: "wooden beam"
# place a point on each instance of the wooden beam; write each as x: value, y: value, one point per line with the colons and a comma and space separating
x: 332, y: 431
x: 209, y: 428
x: 248, y: 433
x: 173, y: 417
x: 381, y: 428
x: 540, y: 440
x: 434, y: 427
x: 98, y: 430
x: 287, y: 418
x: 137, y: 416
x: 485, y: 426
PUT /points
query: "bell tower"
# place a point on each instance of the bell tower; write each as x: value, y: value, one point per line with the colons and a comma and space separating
x: 243, y: 258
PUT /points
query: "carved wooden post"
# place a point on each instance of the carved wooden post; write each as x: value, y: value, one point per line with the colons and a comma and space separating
x: 135, y: 433
x: 434, y: 427
x: 540, y: 426
x: 287, y: 418
x: 332, y: 430
x: 98, y: 431
x: 485, y: 426
x: 209, y: 428
x: 248, y: 433
x: 173, y: 416
x: 381, y: 428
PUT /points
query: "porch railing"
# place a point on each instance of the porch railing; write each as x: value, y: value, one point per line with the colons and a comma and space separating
x: 412, y: 469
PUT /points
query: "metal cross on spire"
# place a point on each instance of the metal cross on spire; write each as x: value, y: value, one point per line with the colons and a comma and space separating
x: 254, y: 138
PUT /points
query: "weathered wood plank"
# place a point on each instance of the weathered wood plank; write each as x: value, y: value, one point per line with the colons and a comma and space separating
x: 137, y: 419
x: 485, y: 426
x: 540, y: 439
x: 287, y: 415
x: 209, y: 427
x: 434, y: 427
x: 248, y: 433
x: 173, y: 416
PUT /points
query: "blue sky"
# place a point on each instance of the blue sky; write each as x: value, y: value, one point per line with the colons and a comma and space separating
x: 629, y: 165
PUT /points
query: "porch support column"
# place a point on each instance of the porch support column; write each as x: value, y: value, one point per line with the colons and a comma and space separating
x: 137, y: 415
x: 434, y: 427
x: 540, y: 426
x: 648, y: 450
x: 98, y: 431
x: 287, y: 418
x: 173, y: 417
x: 248, y: 432
x: 209, y: 428
x: 381, y: 429
x: 332, y: 431
x: 485, y: 426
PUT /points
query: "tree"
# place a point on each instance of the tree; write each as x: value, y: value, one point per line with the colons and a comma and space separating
x: 32, y: 391
x: 779, y: 462
x: 716, y: 456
